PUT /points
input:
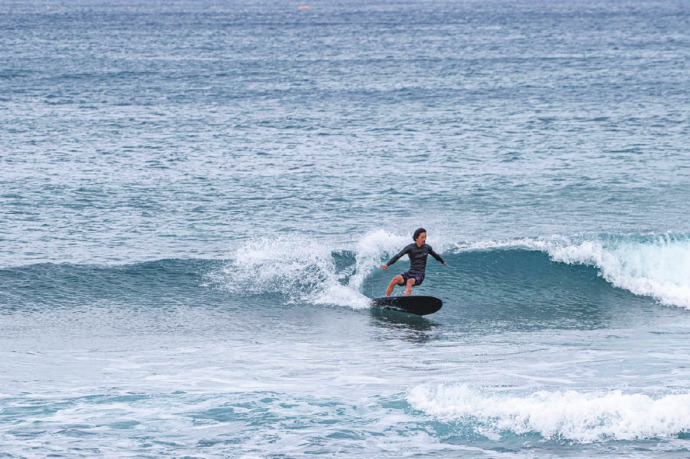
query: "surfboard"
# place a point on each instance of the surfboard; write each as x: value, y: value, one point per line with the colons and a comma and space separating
x: 419, y: 305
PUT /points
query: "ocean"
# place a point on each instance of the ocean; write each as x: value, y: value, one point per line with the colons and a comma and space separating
x: 196, y: 197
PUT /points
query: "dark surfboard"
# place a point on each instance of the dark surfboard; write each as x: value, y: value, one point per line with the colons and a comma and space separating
x: 420, y: 305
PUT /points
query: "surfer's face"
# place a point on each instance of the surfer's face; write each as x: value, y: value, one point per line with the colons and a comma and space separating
x: 421, y: 239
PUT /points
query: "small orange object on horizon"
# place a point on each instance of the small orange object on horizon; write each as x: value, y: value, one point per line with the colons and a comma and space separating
x: 304, y: 7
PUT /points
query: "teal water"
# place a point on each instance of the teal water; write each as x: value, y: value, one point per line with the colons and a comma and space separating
x: 195, y: 199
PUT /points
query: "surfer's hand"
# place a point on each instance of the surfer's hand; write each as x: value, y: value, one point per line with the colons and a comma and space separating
x: 384, y: 266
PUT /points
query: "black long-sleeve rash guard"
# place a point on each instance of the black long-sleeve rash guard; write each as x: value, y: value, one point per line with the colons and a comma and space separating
x: 417, y: 256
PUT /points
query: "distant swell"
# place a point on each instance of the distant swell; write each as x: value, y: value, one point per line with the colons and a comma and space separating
x: 150, y: 283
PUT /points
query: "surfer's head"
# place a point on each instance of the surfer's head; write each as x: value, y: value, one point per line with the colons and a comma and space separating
x: 420, y: 236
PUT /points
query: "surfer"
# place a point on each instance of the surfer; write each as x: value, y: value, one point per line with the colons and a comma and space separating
x: 417, y: 252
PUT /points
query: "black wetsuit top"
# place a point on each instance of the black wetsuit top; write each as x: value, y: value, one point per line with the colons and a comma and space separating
x: 417, y: 256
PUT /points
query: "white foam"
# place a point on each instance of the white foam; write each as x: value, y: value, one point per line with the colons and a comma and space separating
x: 540, y: 244
x: 369, y: 252
x: 305, y: 269
x: 571, y: 415
x: 298, y: 268
x: 341, y: 295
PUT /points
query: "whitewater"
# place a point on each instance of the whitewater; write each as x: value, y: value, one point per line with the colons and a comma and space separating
x: 196, y: 198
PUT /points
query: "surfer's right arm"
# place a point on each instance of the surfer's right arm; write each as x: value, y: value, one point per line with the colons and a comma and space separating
x: 397, y: 257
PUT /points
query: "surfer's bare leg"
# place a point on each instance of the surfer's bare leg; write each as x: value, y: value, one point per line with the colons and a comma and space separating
x: 397, y: 280
x: 410, y: 284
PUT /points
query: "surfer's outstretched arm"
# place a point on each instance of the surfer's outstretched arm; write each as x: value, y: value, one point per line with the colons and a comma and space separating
x: 397, y: 257
x: 437, y: 256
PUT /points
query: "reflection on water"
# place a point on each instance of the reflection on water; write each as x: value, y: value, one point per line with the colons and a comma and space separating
x: 409, y: 327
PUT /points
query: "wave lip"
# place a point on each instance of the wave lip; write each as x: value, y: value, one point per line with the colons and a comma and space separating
x: 570, y: 415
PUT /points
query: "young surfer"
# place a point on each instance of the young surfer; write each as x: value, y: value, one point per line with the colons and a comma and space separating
x: 417, y: 252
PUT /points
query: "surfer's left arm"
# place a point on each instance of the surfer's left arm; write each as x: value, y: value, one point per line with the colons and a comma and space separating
x: 437, y: 256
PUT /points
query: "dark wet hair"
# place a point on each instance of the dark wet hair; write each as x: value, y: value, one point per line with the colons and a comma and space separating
x: 417, y: 233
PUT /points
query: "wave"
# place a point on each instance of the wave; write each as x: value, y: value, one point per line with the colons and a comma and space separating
x: 651, y: 265
x: 645, y: 265
x: 656, y: 266
x: 569, y: 415
x: 292, y: 269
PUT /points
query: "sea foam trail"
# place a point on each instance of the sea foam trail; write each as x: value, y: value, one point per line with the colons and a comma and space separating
x: 570, y: 415
x: 649, y: 265
x: 299, y: 269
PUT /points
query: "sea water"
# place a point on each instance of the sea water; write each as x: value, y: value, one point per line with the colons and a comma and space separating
x: 195, y: 198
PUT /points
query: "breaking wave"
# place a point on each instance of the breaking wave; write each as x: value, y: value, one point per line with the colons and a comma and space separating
x: 647, y: 265
x: 569, y: 415
x: 650, y: 265
x: 298, y: 270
